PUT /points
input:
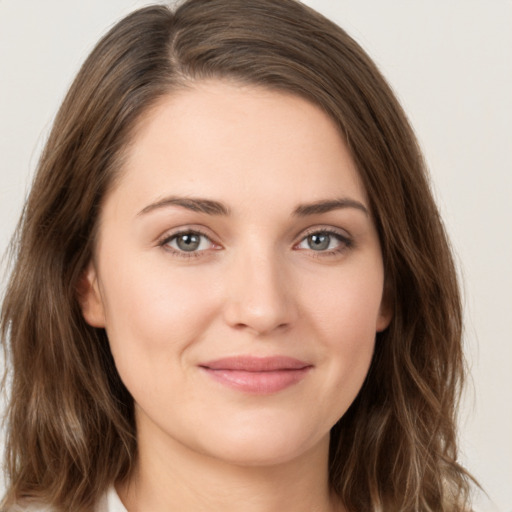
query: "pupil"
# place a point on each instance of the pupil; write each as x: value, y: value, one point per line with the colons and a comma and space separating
x: 318, y: 242
x: 188, y: 242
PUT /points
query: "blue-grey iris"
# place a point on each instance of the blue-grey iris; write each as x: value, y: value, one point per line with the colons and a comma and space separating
x: 188, y: 242
x: 319, y: 241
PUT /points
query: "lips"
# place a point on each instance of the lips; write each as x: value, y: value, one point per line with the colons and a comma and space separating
x: 257, y: 375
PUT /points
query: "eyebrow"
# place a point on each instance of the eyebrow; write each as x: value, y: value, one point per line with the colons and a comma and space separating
x: 211, y: 207
x: 190, y: 203
x: 328, y: 205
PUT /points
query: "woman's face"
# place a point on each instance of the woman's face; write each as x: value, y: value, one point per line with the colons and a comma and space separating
x: 238, y: 275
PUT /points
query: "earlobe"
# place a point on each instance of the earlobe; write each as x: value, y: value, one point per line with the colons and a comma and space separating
x: 89, y: 297
x: 384, y: 318
x: 386, y: 310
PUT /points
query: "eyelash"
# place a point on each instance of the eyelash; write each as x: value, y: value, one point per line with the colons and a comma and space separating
x: 183, y: 254
x: 345, y: 241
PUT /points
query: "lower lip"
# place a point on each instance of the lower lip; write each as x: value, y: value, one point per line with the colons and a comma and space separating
x: 260, y: 383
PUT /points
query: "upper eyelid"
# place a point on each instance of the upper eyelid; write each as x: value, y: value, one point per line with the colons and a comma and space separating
x: 166, y: 239
x: 324, y: 229
x: 172, y: 233
x: 185, y: 232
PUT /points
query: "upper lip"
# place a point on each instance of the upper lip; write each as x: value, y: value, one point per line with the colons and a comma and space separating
x: 256, y: 364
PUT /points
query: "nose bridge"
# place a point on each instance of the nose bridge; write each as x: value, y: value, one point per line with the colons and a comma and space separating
x: 259, y: 294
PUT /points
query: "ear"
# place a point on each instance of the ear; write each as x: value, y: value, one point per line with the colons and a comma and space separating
x: 89, y: 297
x: 384, y: 318
x: 386, y: 309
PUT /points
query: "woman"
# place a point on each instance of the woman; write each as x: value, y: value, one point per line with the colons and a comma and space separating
x: 232, y: 287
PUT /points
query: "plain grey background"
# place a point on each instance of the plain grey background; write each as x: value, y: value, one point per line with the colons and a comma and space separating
x: 449, y: 62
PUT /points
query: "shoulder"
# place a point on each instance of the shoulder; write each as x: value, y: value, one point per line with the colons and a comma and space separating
x: 110, y: 502
x: 32, y: 507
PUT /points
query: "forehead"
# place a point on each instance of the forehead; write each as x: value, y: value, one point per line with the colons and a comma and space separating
x: 241, y: 142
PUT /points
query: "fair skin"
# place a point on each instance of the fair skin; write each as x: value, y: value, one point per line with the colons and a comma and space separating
x: 239, y: 277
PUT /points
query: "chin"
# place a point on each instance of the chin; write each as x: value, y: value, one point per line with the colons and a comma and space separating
x: 264, y: 446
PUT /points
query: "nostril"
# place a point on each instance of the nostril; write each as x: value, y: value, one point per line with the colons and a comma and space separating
x: 261, y: 329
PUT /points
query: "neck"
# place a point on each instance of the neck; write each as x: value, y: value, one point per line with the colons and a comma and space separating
x: 170, y: 476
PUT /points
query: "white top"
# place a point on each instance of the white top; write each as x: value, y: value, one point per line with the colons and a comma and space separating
x: 112, y: 503
x: 109, y: 503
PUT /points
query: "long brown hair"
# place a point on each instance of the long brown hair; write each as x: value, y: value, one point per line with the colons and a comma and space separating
x: 70, y: 419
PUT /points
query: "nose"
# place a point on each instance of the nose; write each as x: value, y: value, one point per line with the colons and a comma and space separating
x: 260, y: 298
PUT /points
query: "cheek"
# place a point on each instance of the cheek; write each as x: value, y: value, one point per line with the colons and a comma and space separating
x: 152, y: 313
x: 345, y: 321
x: 347, y: 306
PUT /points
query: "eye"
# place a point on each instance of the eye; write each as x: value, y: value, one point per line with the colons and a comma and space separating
x: 324, y: 241
x: 187, y: 242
